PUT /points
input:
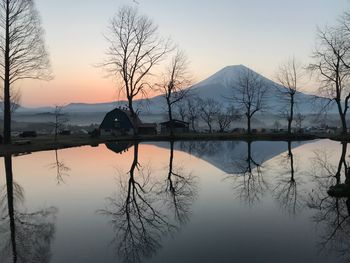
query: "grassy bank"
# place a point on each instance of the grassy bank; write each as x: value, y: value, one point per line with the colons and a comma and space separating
x: 46, y: 143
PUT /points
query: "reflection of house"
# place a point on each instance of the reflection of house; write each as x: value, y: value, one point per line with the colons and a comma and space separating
x: 178, y: 126
x: 119, y: 147
x: 120, y: 122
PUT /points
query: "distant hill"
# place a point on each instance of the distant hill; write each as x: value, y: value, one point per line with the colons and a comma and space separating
x: 219, y: 86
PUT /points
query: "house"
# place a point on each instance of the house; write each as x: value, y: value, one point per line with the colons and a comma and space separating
x: 120, y: 122
x: 178, y: 126
x: 147, y: 128
x: 119, y: 147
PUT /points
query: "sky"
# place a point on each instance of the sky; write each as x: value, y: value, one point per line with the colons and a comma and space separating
x: 214, y: 34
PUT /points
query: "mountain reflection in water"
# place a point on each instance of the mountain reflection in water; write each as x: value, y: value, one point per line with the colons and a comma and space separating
x: 215, y: 201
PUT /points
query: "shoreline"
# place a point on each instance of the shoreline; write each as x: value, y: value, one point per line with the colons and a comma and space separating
x: 47, y: 143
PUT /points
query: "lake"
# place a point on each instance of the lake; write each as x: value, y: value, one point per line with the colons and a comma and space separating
x: 210, y: 201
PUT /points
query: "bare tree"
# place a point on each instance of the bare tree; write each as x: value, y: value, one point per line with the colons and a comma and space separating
x: 175, y: 86
x: 25, y: 236
x: 22, y: 50
x: 288, y: 76
x: 193, y: 110
x: 209, y: 109
x: 135, y: 48
x: 225, y: 118
x: 180, y: 190
x: 299, y: 118
x: 250, y: 184
x: 60, y: 121
x: 16, y: 97
x: 181, y: 110
x: 62, y: 170
x: 331, y: 203
x: 276, y: 125
x: 344, y: 28
x: 136, y: 216
x: 331, y: 52
x: 249, y: 95
x: 287, y: 191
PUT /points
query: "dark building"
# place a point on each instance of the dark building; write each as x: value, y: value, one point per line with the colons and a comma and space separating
x: 120, y: 122
x: 119, y: 147
x: 178, y: 126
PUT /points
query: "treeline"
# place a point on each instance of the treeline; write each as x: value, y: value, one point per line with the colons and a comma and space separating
x: 136, y: 49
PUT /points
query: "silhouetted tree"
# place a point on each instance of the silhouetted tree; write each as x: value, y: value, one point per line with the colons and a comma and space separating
x: 276, y: 125
x: 331, y: 202
x: 181, y: 110
x: 25, y: 236
x: 208, y: 111
x: 288, y: 76
x: 60, y: 167
x: 138, y: 224
x: 193, y: 111
x: 135, y: 48
x: 22, y: 50
x: 16, y: 96
x: 249, y: 95
x: 180, y: 190
x: 344, y: 28
x: 249, y: 179
x: 286, y: 190
x: 331, y: 52
x: 226, y: 117
x: 299, y: 118
x: 61, y: 118
x: 176, y: 84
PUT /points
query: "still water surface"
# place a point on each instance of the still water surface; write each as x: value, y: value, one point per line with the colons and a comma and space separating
x: 177, y: 202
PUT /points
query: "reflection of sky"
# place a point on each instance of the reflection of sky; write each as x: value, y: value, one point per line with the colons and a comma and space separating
x: 215, y: 34
x: 221, y: 226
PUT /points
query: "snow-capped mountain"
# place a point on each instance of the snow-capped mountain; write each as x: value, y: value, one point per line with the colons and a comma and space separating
x: 223, y: 84
x: 219, y: 86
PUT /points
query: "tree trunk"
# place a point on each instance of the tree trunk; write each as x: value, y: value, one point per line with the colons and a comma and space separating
x: 248, y: 125
x: 171, y: 160
x: 291, y: 157
x: 170, y: 115
x: 343, y: 122
x: 133, y: 117
x: 291, y: 116
x: 10, y: 204
x: 249, y: 156
x: 342, y: 115
x: 209, y: 125
x: 7, y: 97
x: 193, y: 125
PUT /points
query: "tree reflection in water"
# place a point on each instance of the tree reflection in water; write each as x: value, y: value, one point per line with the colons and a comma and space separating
x: 331, y: 200
x: 180, y: 190
x: 136, y: 214
x: 248, y: 180
x: 61, y: 168
x: 286, y: 190
x: 24, y: 236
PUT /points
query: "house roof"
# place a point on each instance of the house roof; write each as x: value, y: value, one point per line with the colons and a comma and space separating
x: 148, y: 125
x: 125, y: 119
x: 175, y: 122
x: 123, y: 116
x: 118, y: 147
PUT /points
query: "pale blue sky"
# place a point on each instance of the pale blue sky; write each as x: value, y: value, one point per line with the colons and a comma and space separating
x: 214, y: 34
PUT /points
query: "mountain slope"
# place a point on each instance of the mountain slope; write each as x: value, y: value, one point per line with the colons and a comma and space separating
x: 223, y: 83
x: 219, y: 86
